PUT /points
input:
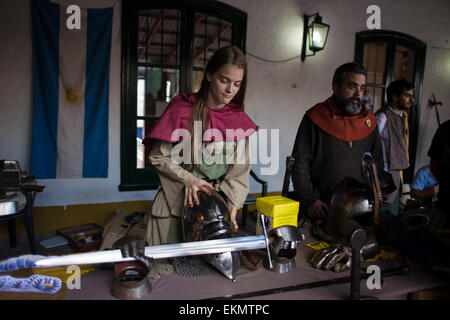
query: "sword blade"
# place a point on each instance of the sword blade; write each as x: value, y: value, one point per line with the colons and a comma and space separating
x: 158, y: 252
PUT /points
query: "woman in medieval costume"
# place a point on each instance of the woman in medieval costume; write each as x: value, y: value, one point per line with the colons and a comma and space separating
x: 216, y: 156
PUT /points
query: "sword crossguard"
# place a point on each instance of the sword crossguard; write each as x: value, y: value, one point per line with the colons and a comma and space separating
x: 266, y: 238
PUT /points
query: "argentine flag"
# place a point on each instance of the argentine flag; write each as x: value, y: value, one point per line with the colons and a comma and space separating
x: 71, y: 92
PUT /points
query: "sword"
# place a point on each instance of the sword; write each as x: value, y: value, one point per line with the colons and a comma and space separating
x: 157, y: 252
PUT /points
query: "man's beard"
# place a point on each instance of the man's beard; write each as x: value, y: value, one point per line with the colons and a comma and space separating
x: 403, y: 107
x: 350, y: 106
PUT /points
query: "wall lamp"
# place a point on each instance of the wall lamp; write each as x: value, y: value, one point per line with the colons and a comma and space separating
x: 315, y: 35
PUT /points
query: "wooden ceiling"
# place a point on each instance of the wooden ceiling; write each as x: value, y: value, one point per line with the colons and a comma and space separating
x: 159, y: 37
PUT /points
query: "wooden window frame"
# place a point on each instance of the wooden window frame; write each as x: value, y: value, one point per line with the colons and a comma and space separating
x: 133, y: 178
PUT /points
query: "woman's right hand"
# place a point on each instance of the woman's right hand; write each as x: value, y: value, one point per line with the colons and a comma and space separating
x: 193, y: 185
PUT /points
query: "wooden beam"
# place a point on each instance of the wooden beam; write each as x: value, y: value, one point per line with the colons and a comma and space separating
x: 171, y: 55
x: 210, y: 44
x: 152, y: 34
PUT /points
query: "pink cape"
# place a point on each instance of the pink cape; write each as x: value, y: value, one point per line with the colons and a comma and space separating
x: 178, y: 116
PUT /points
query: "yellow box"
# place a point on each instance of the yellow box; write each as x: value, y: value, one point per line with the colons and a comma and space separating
x: 282, y: 211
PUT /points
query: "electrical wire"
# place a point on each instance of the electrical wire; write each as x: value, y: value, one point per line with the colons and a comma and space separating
x: 272, y: 61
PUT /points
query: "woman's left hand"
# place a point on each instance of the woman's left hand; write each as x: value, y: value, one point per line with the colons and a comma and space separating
x: 233, y: 212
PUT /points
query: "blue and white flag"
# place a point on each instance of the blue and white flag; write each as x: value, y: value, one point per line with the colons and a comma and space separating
x: 71, y: 92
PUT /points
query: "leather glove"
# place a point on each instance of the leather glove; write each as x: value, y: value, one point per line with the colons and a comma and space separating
x: 336, y: 258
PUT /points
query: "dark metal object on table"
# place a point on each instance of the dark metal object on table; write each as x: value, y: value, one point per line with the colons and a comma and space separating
x: 207, y: 221
x: 354, y: 205
x: 413, y: 225
x: 11, y: 199
x: 17, y: 193
x: 349, y: 204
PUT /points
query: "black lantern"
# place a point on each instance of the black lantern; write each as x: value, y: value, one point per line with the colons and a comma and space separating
x: 315, y: 35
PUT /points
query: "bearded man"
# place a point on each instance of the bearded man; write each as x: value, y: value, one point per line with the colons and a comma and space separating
x: 331, y: 141
x: 393, y: 128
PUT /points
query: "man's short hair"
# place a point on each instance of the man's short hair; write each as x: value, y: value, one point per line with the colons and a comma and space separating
x: 397, y: 87
x: 339, y: 74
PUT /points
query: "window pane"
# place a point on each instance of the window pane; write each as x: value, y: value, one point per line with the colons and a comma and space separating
x: 375, y: 95
x: 197, y: 77
x: 159, y: 36
x: 210, y: 34
x: 404, y: 64
x: 156, y: 87
x: 140, y: 148
x: 143, y: 128
x: 374, y: 61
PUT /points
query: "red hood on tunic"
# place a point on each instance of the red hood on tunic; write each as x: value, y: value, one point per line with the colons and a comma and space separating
x: 328, y: 117
x: 178, y: 116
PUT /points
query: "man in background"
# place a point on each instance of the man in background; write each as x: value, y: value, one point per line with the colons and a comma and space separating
x: 424, y: 187
x: 393, y: 128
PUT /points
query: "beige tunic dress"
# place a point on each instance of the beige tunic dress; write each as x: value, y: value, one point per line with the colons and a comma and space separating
x: 164, y: 224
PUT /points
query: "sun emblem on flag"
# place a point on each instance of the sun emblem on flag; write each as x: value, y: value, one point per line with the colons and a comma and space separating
x: 72, y: 95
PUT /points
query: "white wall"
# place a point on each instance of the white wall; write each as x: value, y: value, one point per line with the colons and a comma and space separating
x: 278, y: 93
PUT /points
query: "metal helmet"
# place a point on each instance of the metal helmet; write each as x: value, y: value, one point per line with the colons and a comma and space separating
x: 350, y: 208
x: 207, y: 220
x: 210, y: 220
